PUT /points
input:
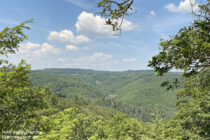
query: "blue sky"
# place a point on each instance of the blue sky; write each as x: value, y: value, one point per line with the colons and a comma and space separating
x: 70, y: 34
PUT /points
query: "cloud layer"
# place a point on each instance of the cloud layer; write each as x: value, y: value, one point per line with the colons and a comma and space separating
x: 68, y: 37
x: 35, y: 49
x: 88, y: 26
x: 72, y: 49
x: 184, y: 6
x: 95, y: 26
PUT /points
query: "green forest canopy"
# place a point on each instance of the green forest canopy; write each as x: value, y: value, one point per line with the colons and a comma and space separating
x: 34, y: 109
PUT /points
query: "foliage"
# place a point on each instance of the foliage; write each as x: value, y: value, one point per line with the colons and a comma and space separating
x: 20, y: 104
x: 11, y: 37
x: 74, y: 124
x: 68, y: 85
x: 189, y: 51
x: 115, y: 11
x: 137, y: 93
x: 25, y: 107
x: 18, y: 99
x: 192, y: 119
x: 194, y: 105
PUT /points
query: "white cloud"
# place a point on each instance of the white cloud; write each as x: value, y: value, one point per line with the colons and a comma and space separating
x: 184, y: 6
x: 152, y: 13
x: 94, y: 26
x: 126, y: 60
x: 71, y: 48
x: 31, y: 45
x: 67, y: 36
x: 171, y: 7
x: 127, y: 25
x: 28, y: 47
x: 38, y: 55
x: 46, y: 48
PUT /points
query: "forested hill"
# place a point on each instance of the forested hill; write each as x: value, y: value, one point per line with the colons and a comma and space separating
x: 137, y: 93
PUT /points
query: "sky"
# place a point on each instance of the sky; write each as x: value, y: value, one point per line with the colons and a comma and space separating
x: 71, y: 33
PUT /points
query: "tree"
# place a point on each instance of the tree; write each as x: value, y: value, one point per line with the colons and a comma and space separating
x: 189, y: 51
x: 19, y: 101
x: 10, y: 39
x: 115, y: 11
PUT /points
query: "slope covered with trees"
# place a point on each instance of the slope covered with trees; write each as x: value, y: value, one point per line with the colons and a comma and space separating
x: 67, y: 85
x: 29, y: 112
x: 137, y: 93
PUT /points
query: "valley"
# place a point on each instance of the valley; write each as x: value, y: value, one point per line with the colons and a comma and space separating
x: 137, y: 93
